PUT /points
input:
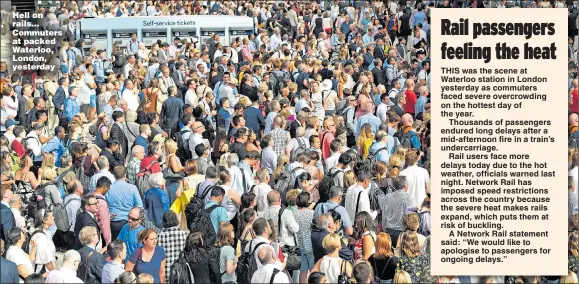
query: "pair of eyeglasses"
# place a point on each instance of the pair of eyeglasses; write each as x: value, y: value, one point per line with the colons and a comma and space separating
x: 133, y: 219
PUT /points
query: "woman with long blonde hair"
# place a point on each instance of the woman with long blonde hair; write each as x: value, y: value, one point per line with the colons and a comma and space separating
x: 365, y: 140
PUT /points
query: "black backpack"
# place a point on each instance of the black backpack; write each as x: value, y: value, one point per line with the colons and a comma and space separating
x: 247, y: 265
x: 181, y: 271
x: 404, y: 138
x: 300, y: 149
x: 198, y: 218
x: 37, y: 201
x: 344, y: 114
x: 121, y: 60
x: 285, y: 182
x: 183, y: 151
x: 326, y: 184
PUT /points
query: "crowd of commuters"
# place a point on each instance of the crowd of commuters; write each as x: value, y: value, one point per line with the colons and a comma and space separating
x: 298, y: 155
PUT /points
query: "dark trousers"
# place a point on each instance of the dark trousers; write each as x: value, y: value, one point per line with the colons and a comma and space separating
x: 63, y: 240
x: 393, y: 236
x: 116, y: 227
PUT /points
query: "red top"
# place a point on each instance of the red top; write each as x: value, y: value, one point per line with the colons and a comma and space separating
x: 410, y: 101
x: 327, y: 139
x: 575, y: 104
x: 149, y: 159
x: 18, y: 148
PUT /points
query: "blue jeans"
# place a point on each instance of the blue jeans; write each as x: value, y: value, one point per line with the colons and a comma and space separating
x: 171, y: 187
x: 307, y: 261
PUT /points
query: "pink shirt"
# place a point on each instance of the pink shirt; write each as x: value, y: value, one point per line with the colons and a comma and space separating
x: 103, y: 217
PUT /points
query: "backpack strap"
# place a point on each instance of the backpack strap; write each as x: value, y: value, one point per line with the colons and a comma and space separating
x: 379, y: 150
x: 358, y: 202
x: 273, y: 274
x: 244, y: 180
x: 87, y: 265
x: 279, y: 223
x: 210, y: 209
x: 256, y: 247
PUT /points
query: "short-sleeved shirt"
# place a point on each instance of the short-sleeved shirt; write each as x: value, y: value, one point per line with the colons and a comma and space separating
x: 329, y: 206
x: 218, y: 215
x: 226, y: 253
x: 152, y: 267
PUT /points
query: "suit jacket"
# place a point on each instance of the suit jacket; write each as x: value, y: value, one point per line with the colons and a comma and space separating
x: 7, y: 221
x: 379, y: 53
x: 163, y: 57
x: 254, y: 119
x: 82, y: 220
x: 402, y: 51
x: 22, y: 101
x: 398, y: 110
x: 95, y: 266
x: 171, y: 112
x: 58, y: 98
x: 117, y: 133
x: 378, y: 76
x: 9, y: 271
x: 115, y: 159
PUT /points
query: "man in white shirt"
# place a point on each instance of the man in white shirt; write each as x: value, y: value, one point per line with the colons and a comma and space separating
x: 418, y: 180
x: 275, y: 39
x: 128, y: 68
x: 337, y: 149
x: 261, y: 190
x: 262, y: 231
x: 196, y: 137
x: 383, y: 108
x: 289, y: 226
x: 103, y: 164
x: 129, y: 96
x: 270, y: 271
x: 67, y: 272
x: 357, y: 199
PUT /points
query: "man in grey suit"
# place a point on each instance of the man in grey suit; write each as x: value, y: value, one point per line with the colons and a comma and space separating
x: 203, y: 162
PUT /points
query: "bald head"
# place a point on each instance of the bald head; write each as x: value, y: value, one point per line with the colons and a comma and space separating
x: 407, y: 119
x: 265, y: 255
x: 273, y: 197
x: 573, y: 119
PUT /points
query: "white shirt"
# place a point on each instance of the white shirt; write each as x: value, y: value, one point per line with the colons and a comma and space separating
x: 381, y: 112
x: 45, y: 249
x: 131, y: 98
x: 352, y: 201
x: 194, y: 140
x: 417, y: 179
x: 19, y: 257
x: 574, y: 173
x: 33, y: 144
x: 20, y: 221
x: 261, y: 190
x: 63, y: 275
x: 191, y: 98
x: 251, y: 246
x: 274, y: 42
x: 263, y: 274
x: 332, y: 161
x: 127, y: 69
x: 289, y: 225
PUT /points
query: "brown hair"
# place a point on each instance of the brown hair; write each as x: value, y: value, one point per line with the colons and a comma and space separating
x: 411, y: 158
x: 191, y: 167
x: 409, y: 244
x: 573, y: 246
x: 412, y: 222
x: 144, y: 235
x: 383, y: 246
x: 225, y: 238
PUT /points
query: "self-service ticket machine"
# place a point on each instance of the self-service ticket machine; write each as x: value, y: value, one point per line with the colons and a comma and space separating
x: 122, y: 37
x: 239, y: 33
x: 149, y: 37
x: 206, y: 35
x: 99, y: 38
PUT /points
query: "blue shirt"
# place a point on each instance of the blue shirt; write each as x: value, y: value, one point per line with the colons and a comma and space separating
x: 218, y: 215
x: 326, y: 207
x: 153, y: 267
x: 9, y: 271
x: 368, y: 118
x: 418, y: 18
x: 122, y: 197
x: 156, y: 204
x: 71, y: 107
x: 420, y: 105
x: 55, y: 147
x: 142, y: 141
x: 383, y: 155
x: 223, y: 118
x: 130, y: 237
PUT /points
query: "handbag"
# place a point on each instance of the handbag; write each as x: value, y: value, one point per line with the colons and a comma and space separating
x: 293, y: 259
x: 168, y: 173
x: 343, y: 277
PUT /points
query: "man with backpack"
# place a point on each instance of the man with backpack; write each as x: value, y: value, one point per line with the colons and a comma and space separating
x: 349, y: 113
x: 336, y: 196
x: 407, y: 134
x: 383, y: 147
x: 217, y: 213
x: 33, y: 147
